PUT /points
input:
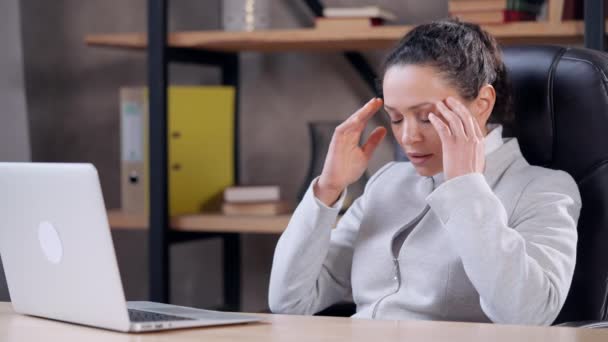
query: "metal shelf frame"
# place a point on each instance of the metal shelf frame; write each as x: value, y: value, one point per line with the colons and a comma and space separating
x: 161, y: 236
x: 595, y: 37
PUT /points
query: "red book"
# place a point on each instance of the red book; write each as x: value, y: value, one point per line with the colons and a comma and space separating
x: 575, y: 10
x: 512, y: 15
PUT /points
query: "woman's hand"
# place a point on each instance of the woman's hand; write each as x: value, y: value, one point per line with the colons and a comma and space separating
x: 461, y: 139
x: 346, y: 161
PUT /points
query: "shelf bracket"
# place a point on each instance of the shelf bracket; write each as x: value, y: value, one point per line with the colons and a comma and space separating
x: 198, y: 56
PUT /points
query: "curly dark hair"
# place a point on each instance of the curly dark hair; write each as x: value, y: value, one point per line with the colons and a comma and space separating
x: 464, y: 54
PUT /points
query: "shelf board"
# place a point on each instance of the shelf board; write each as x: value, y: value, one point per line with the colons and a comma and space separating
x: 216, y: 223
x: 118, y: 219
x: 334, y: 40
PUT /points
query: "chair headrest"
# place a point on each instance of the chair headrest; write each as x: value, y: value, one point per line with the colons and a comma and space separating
x: 560, y: 92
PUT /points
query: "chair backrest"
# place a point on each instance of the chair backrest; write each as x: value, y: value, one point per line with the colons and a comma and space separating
x: 561, y: 122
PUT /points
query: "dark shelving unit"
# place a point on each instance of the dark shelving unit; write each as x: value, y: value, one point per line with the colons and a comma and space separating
x: 161, y: 236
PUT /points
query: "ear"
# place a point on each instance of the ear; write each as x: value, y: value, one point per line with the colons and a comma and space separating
x: 483, y: 105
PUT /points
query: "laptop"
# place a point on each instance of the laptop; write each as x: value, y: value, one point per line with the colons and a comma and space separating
x: 59, y: 258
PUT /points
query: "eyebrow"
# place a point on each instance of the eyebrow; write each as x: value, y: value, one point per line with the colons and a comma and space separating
x: 417, y: 106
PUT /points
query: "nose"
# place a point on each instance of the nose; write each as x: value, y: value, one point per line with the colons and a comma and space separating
x: 410, y: 133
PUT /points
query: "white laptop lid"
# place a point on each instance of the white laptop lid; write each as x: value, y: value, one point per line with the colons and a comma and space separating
x: 56, y: 246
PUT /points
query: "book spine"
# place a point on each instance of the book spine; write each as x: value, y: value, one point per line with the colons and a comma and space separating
x: 133, y: 134
x: 247, y: 197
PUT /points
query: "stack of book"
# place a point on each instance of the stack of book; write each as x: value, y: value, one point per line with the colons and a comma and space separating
x: 254, y: 201
x: 495, y: 11
x: 348, y: 18
x: 478, y: 11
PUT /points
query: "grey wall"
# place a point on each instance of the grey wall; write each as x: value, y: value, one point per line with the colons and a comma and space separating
x: 14, y: 133
x: 14, y: 140
x: 72, y: 94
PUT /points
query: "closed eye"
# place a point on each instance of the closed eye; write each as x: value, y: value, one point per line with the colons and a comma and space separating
x: 424, y: 118
x: 394, y: 122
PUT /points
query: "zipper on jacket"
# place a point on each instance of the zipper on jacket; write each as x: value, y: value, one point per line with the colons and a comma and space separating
x: 396, y: 268
x: 397, y: 277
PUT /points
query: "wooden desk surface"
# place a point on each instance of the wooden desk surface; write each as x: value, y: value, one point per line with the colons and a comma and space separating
x: 20, y: 328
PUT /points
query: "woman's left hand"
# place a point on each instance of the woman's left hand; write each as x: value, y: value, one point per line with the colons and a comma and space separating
x: 461, y: 139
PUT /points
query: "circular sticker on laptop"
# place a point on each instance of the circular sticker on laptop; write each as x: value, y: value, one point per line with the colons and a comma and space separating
x: 50, y: 242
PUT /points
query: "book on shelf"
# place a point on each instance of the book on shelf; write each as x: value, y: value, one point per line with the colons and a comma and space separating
x: 512, y: 15
x: 476, y: 5
x: 346, y: 23
x: 493, y: 11
x: 252, y: 193
x: 478, y: 11
x: 481, y: 17
x: 359, y: 12
x: 575, y: 10
x: 271, y: 208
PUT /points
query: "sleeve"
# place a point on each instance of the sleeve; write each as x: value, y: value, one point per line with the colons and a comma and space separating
x: 522, y: 272
x: 312, y: 262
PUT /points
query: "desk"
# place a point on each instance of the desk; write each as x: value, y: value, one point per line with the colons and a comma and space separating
x: 19, y: 328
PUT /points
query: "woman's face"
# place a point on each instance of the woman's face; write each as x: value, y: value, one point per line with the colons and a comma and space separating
x: 410, y: 94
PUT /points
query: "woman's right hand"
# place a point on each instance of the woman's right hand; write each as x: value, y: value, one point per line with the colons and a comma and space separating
x: 346, y: 161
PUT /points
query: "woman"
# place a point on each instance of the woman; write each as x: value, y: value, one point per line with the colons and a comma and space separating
x: 465, y: 231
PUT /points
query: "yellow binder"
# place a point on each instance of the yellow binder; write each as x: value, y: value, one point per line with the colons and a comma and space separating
x: 201, y: 147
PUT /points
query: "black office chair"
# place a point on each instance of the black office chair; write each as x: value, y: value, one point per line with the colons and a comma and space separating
x: 561, y: 121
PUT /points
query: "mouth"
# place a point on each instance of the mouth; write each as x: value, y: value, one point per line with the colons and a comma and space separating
x: 419, y: 158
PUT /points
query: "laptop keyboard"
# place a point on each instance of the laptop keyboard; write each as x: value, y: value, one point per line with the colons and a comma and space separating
x: 147, y: 316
